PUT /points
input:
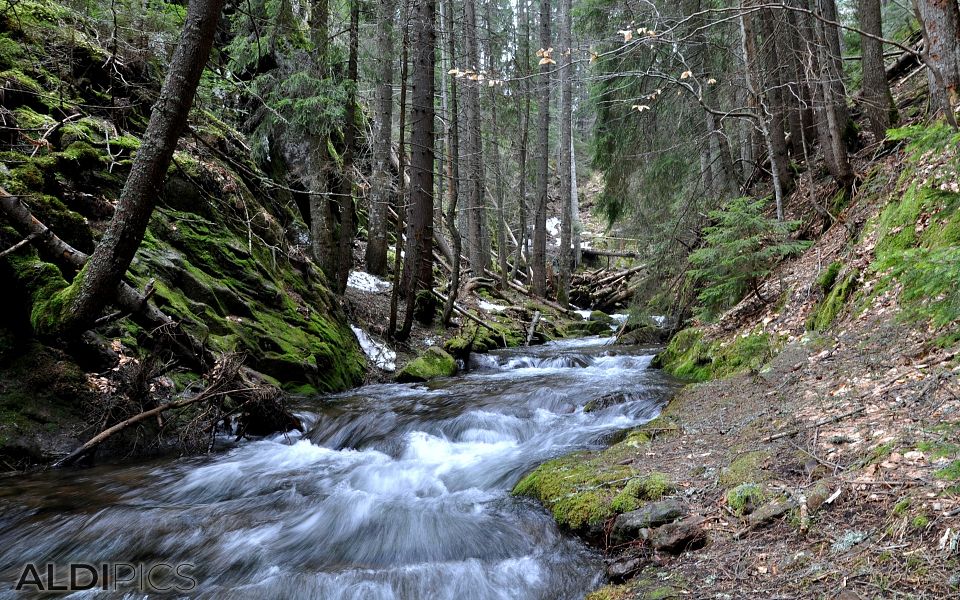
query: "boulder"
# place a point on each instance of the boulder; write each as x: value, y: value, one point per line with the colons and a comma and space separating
x: 433, y: 363
x: 677, y: 537
x: 601, y: 317
x: 629, y: 526
x: 623, y: 567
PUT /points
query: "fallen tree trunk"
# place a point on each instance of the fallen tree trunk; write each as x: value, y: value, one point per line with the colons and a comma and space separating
x: 611, y: 253
x: 189, y: 349
x: 533, y: 327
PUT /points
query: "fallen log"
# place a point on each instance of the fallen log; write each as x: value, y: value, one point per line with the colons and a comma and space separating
x: 533, y: 327
x: 190, y: 350
x: 610, y: 253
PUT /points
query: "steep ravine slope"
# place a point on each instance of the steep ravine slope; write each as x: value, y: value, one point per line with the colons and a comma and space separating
x: 224, y: 254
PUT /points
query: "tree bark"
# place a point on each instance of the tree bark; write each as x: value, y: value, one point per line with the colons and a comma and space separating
x: 453, y: 162
x: 381, y: 191
x: 775, y: 104
x: 539, y: 258
x: 419, y: 250
x: 566, y: 144
x: 499, y: 183
x: 75, y: 308
x: 346, y: 202
x: 876, y: 98
x: 476, y: 203
x: 941, y: 27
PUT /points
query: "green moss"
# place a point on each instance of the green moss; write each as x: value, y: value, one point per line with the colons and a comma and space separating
x: 10, y: 52
x: 826, y: 311
x: 22, y: 80
x: 612, y: 592
x: 745, y: 498
x: 900, y: 508
x: 22, y: 15
x: 433, y: 363
x: 951, y: 472
x: 829, y: 276
x: 690, y: 356
x: 920, y: 522
x: 82, y: 153
x: 747, y: 467
x: 584, y: 489
x: 918, y: 234
x: 27, y: 118
x: 645, y: 488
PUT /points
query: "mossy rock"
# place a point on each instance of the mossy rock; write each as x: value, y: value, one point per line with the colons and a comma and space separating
x: 586, y: 328
x: 748, y: 467
x: 433, y: 363
x: 601, y: 317
x: 584, y: 489
x: 647, y: 488
x: 745, y: 498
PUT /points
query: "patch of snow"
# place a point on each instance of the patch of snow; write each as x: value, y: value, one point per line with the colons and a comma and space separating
x: 491, y: 307
x: 378, y: 353
x: 553, y: 226
x: 366, y: 282
x: 584, y: 313
x: 429, y: 342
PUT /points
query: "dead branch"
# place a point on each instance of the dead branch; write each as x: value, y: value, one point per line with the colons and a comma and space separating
x: 222, y: 377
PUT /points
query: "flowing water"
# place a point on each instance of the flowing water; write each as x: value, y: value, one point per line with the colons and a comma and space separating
x: 396, y: 491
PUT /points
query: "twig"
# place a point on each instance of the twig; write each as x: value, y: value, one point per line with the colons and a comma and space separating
x: 19, y: 244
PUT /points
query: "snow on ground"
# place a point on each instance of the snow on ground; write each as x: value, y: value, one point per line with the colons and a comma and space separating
x: 490, y: 306
x: 584, y: 313
x: 366, y: 282
x: 377, y: 352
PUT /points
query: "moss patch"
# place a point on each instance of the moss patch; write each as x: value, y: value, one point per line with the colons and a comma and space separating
x: 584, y: 489
x: 746, y: 468
x: 433, y: 363
x: 690, y: 356
x: 744, y: 498
x: 836, y: 298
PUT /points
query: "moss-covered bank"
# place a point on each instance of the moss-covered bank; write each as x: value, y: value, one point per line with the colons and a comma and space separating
x: 224, y: 251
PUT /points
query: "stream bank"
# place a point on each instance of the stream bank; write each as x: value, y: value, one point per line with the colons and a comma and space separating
x: 814, y: 452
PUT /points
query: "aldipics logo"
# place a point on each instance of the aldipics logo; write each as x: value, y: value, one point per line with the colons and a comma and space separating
x: 110, y: 577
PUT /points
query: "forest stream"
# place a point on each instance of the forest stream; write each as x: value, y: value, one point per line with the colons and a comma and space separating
x: 395, y: 491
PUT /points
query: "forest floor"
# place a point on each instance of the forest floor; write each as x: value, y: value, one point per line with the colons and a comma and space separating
x: 870, y: 416
x: 844, y: 442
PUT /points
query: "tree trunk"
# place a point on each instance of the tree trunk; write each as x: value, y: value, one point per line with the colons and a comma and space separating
x: 575, y: 207
x: 499, y: 183
x: 775, y: 104
x: 941, y: 28
x: 401, y: 158
x: 832, y: 114
x: 419, y: 292
x: 476, y: 203
x: 566, y: 144
x: 877, y: 100
x: 523, y: 68
x: 749, y: 53
x: 453, y: 162
x: 539, y: 258
x: 345, y: 200
x: 75, y: 308
x: 322, y: 220
x: 381, y: 190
